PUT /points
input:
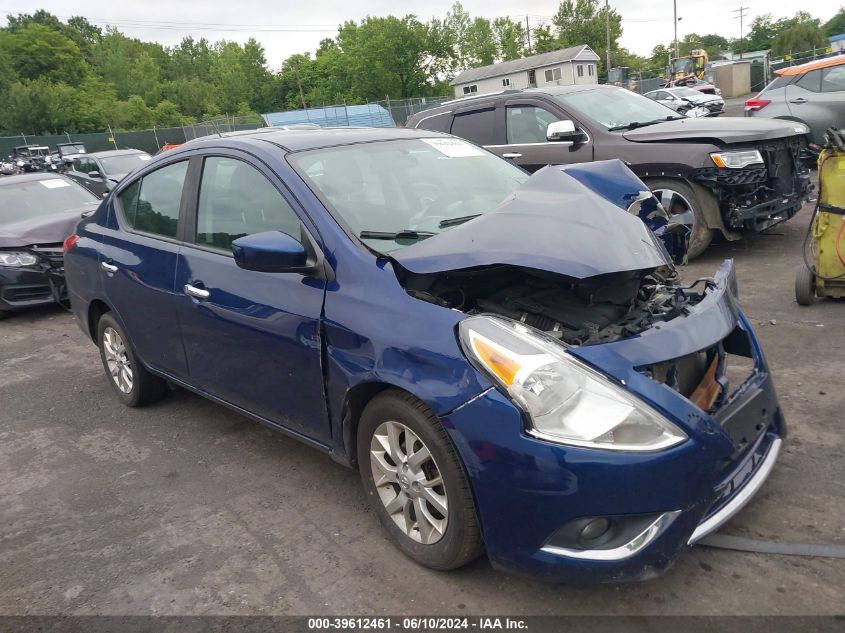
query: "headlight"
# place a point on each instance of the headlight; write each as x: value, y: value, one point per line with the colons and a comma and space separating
x: 20, y: 163
x: 565, y: 400
x: 17, y: 259
x: 736, y: 160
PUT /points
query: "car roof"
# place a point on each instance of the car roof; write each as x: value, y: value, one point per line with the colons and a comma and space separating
x: 552, y: 91
x: 814, y: 65
x: 295, y: 140
x: 111, y: 152
x: 12, y: 180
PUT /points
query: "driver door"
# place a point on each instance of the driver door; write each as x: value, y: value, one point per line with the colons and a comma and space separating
x: 526, y: 121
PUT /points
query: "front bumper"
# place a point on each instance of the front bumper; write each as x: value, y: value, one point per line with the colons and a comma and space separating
x: 528, y: 489
x: 22, y: 288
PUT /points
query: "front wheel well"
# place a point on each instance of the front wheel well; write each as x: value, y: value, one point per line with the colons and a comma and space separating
x: 96, y: 310
x: 354, y: 403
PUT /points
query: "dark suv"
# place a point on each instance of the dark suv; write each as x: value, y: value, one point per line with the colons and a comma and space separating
x: 729, y: 174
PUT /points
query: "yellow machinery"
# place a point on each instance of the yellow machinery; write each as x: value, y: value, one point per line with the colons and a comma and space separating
x: 684, y: 69
x: 823, y: 271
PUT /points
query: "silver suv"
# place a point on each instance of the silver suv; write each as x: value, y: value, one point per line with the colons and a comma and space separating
x: 812, y: 93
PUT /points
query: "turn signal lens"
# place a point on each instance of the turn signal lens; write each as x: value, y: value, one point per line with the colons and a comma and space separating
x: 495, y: 360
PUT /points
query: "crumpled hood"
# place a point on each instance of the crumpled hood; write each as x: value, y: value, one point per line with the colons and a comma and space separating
x: 552, y: 222
x: 724, y: 130
x: 47, y: 229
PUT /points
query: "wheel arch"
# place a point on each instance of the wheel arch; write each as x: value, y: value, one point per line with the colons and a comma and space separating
x: 356, y: 399
x: 96, y: 309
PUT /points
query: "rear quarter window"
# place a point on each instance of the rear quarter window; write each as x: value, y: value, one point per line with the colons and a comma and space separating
x: 475, y: 126
x: 779, y: 82
x: 811, y: 81
x: 435, y: 123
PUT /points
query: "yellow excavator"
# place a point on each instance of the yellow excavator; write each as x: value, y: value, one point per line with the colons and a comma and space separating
x: 685, y: 69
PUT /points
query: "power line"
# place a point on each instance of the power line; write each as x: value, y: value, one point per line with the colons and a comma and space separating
x: 741, y: 16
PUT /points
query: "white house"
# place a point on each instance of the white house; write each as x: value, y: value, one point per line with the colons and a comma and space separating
x: 575, y: 65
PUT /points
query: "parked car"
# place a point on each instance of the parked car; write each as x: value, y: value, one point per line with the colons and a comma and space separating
x: 37, y: 213
x: 8, y: 167
x: 703, y: 86
x: 99, y: 172
x: 812, y: 94
x: 683, y: 99
x: 426, y: 312
x: 728, y: 175
x: 30, y: 158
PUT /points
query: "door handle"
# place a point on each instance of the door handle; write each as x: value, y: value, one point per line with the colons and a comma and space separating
x: 512, y: 155
x: 196, y: 293
x: 798, y: 100
x: 109, y: 268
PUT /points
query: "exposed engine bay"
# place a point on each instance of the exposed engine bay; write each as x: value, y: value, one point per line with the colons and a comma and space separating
x: 598, y: 309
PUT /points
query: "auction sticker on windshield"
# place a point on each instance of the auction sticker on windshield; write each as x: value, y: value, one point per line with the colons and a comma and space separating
x: 453, y: 147
x: 54, y: 183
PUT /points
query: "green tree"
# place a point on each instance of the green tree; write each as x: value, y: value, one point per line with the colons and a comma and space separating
x: 479, y: 46
x: 166, y: 114
x: 510, y: 38
x: 36, y: 51
x: 803, y: 36
x: 836, y: 24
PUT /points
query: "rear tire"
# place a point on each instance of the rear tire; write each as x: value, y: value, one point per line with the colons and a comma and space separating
x: 805, y: 286
x: 129, y: 379
x: 395, y: 428
x: 680, y: 199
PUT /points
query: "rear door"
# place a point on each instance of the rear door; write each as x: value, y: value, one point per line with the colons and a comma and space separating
x: 251, y: 338
x: 138, y: 264
x: 818, y: 99
x: 80, y: 172
x: 525, y: 120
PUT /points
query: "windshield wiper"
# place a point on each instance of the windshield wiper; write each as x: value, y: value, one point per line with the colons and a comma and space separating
x: 453, y: 221
x: 406, y: 234
x: 635, y: 124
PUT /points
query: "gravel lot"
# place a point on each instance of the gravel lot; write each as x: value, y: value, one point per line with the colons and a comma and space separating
x: 187, y: 508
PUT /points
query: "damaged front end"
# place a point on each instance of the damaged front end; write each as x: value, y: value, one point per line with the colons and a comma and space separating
x: 763, y: 193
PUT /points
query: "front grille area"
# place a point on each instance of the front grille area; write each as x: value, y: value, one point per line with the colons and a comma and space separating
x: 719, y: 380
x: 22, y: 294
x: 758, y: 197
x: 52, y: 254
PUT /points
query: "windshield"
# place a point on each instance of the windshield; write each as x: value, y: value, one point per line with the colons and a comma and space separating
x: 683, y: 65
x: 64, y: 150
x: 36, y: 198
x: 618, y: 109
x: 123, y: 164
x: 415, y: 187
x: 686, y: 92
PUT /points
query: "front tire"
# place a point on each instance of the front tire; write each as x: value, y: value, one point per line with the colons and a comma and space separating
x: 129, y: 379
x: 681, y: 202
x: 416, y: 482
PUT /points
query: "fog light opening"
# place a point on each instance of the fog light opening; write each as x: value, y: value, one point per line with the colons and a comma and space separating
x: 592, y: 531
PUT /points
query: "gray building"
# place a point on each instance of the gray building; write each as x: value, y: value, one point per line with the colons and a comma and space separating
x: 575, y: 65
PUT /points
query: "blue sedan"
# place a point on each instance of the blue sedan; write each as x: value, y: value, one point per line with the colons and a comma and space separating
x: 510, y: 361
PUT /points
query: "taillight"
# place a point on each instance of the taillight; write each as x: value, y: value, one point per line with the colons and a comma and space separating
x: 70, y: 242
x: 756, y: 103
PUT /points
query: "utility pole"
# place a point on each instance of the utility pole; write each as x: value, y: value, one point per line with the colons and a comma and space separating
x: 301, y: 93
x: 528, y: 33
x: 675, y: 8
x: 741, y: 16
x: 607, y: 20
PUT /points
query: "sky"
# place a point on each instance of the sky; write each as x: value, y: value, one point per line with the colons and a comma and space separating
x: 286, y: 27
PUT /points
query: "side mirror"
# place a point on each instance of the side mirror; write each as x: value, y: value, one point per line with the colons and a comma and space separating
x: 94, y: 174
x: 564, y: 131
x: 272, y: 252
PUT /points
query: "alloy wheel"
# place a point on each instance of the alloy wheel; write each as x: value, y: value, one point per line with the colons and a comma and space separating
x: 409, y: 483
x: 117, y: 360
x: 677, y: 206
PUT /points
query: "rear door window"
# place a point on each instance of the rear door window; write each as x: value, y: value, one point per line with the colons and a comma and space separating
x: 476, y: 126
x: 833, y: 79
x: 237, y: 200
x: 151, y: 204
x: 811, y: 81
